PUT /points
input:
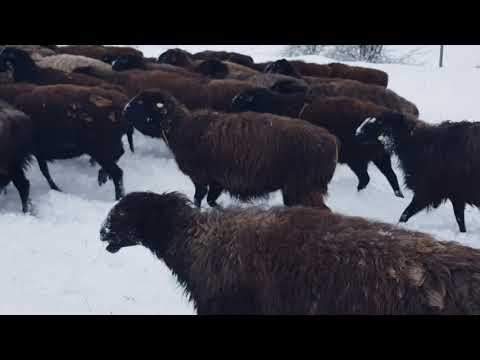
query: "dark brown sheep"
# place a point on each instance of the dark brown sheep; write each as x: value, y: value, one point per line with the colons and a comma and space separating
x: 24, y: 69
x: 223, y: 69
x: 337, y: 70
x: 339, y: 115
x: 16, y: 148
x: 374, y: 93
x: 217, y: 69
x: 297, y: 260
x: 104, y: 53
x: 249, y: 155
x: 195, y: 92
x: 440, y: 162
x: 10, y: 92
x: 71, y: 120
x: 231, y: 57
x: 209, y: 66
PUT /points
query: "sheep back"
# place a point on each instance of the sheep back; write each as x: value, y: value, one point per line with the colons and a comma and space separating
x: 331, y: 264
x: 68, y: 115
x: 356, y: 89
x: 252, y: 154
x: 69, y: 63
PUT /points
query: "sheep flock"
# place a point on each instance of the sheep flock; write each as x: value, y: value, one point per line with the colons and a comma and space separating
x: 248, y: 129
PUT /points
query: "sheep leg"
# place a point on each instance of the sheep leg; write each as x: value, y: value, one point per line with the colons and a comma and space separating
x: 415, y: 206
x: 116, y: 174
x: 46, y: 173
x: 459, y: 211
x: 214, y: 192
x: 200, y: 192
x: 360, y: 169
x: 23, y: 186
x: 384, y: 164
x: 102, y: 176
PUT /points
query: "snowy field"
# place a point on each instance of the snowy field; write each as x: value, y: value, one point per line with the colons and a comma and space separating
x: 54, y: 263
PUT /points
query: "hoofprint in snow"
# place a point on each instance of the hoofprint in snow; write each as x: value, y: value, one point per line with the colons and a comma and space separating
x: 54, y: 263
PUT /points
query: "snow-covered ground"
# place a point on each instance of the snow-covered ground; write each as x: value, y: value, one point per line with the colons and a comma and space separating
x: 54, y: 263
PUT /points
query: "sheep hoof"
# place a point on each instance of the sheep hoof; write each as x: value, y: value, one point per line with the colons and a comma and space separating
x: 361, y: 187
x: 403, y: 218
x: 399, y: 194
x: 56, y: 188
x: 214, y: 205
x: 30, y: 209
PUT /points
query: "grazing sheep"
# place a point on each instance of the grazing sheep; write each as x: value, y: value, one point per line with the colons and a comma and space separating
x: 16, y: 146
x: 339, y: 115
x: 69, y: 63
x: 374, y: 93
x: 249, y: 154
x: 297, y: 260
x: 71, y: 120
x: 231, y: 57
x: 23, y: 69
x: 440, y: 162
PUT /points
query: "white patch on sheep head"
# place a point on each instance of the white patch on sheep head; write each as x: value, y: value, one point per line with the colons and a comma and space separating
x: 369, y: 120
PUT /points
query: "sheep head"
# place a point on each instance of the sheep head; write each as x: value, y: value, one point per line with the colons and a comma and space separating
x: 257, y: 99
x: 283, y: 67
x: 18, y: 62
x: 127, y: 62
x: 380, y: 128
x: 144, y: 218
x: 177, y: 57
x: 213, y: 68
x: 152, y: 112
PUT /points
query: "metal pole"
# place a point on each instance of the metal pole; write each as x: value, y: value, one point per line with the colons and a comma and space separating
x: 441, y: 55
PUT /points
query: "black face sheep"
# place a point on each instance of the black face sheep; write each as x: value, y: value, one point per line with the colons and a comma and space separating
x: 248, y: 154
x: 339, y: 115
x: 16, y: 148
x: 24, y: 69
x: 71, y: 120
x: 440, y: 162
x: 374, y: 93
x: 177, y: 57
x: 296, y: 260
